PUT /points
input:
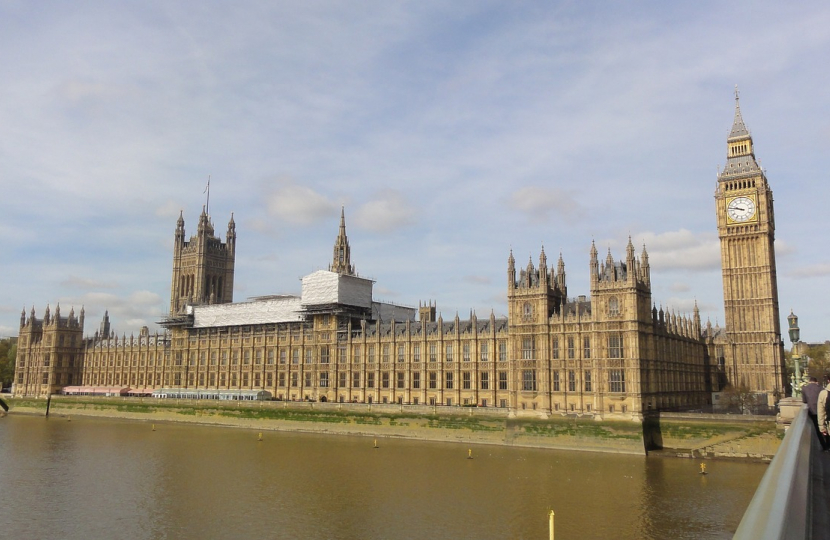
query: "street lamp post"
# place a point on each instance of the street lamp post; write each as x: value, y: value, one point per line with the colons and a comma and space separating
x: 796, y: 380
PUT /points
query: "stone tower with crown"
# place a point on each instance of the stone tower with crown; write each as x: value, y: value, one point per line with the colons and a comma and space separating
x: 50, y: 352
x: 753, y: 351
x: 202, y: 266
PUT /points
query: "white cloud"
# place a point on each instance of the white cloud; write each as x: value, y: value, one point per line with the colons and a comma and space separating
x: 86, y: 283
x: 679, y: 287
x: 682, y: 250
x: 170, y: 209
x: 300, y: 205
x: 389, y: 211
x: 810, y: 271
x: 539, y: 204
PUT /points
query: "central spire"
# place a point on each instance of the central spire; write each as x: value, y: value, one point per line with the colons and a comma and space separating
x: 739, y: 130
x: 341, y: 261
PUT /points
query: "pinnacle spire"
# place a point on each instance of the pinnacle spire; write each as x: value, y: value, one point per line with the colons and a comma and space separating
x: 341, y: 261
x: 738, y: 127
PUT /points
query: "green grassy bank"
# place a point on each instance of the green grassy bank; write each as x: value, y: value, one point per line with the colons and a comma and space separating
x: 688, y: 436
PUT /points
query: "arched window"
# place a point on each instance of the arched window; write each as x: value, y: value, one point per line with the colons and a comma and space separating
x: 613, y: 307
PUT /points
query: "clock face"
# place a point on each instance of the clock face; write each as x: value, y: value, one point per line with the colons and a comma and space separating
x: 740, y: 209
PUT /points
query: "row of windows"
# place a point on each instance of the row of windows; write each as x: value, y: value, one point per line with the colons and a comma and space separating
x: 528, y: 381
x: 615, y: 347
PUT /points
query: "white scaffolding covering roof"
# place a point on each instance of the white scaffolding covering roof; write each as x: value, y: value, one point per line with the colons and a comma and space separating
x: 324, y: 287
x: 261, y: 311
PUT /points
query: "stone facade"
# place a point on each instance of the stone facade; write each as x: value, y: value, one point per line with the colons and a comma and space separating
x: 613, y: 354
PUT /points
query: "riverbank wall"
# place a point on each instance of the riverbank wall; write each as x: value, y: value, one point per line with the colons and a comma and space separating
x: 673, y: 434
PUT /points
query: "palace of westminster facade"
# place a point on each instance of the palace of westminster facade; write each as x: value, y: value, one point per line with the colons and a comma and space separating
x: 613, y: 354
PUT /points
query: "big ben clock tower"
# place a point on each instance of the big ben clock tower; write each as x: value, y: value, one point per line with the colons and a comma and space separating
x: 754, y: 352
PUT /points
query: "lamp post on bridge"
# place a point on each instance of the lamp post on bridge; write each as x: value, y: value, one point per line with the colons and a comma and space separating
x: 797, y: 380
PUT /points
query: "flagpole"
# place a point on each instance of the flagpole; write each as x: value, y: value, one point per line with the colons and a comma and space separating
x: 207, y: 203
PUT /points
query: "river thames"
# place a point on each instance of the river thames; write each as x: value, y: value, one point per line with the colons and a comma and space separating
x: 100, y: 479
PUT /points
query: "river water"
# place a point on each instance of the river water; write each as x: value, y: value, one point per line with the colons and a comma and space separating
x: 100, y: 479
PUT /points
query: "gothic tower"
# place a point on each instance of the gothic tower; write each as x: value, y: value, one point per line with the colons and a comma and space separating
x: 746, y: 228
x: 341, y: 260
x: 202, y: 266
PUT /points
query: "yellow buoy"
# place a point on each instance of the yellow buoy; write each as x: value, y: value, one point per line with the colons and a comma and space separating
x: 260, y: 437
x: 702, y: 468
x: 154, y: 427
x: 469, y: 453
x: 376, y: 444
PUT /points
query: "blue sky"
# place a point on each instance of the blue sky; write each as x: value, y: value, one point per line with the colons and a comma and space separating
x: 451, y: 131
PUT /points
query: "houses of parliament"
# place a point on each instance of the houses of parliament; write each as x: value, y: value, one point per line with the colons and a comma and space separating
x: 609, y: 354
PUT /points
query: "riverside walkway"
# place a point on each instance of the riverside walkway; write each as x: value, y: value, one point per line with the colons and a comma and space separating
x: 793, y: 499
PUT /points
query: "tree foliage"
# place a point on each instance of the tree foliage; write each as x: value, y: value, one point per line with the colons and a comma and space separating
x: 819, y: 364
x: 8, y: 355
x: 741, y: 399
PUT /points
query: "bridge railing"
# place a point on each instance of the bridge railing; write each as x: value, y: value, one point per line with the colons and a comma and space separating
x: 782, y: 505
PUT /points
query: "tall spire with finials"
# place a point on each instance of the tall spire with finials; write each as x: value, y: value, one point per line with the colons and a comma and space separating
x: 341, y: 261
x: 738, y: 126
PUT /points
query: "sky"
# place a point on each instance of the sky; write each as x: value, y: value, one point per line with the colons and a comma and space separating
x: 451, y: 132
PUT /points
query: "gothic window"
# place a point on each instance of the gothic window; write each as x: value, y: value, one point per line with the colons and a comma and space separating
x: 416, y: 380
x: 484, y: 353
x: 617, y: 377
x: 416, y: 353
x: 466, y: 380
x: 401, y: 380
x: 356, y: 380
x: 529, y: 380
x: 555, y: 381
x: 613, y: 307
x: 502, y: 380
x: 587, y: 381
x: 401, y: 353
x: 570, y: 347
x: 433, y: 380
x: 449, y: 352
x: 586, y: 347
x: 615, y: 346
x: 527, y: 310
x: 555, y: 348
x: 571, y: 381
x: 449, y: 380
x: 484, y: 377
x: 528, y: 346
x: 502, y: 351
x: 384, y: 379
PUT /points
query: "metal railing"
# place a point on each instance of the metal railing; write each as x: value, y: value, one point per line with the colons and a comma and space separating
x: 782, y: 505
